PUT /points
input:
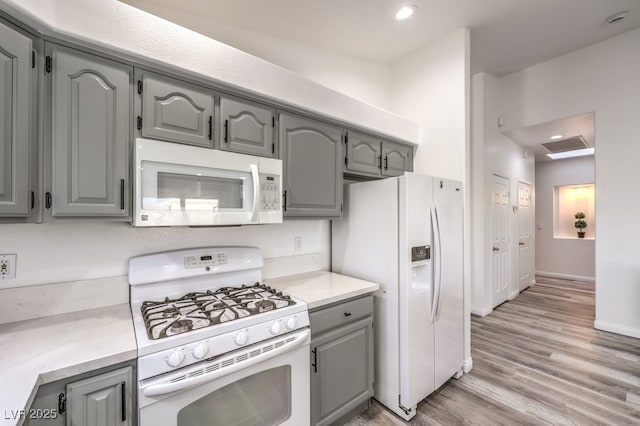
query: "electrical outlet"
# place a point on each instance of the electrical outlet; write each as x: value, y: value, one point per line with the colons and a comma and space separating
x: 297, y: 243
x: 8, y: 266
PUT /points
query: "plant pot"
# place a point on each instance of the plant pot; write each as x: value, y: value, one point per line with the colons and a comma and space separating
x: 580, y: 234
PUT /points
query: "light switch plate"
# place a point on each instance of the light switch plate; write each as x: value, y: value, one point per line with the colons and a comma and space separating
x: 8, y: 266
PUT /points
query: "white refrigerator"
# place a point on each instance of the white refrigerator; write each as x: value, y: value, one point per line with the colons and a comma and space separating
x: 405, y: 233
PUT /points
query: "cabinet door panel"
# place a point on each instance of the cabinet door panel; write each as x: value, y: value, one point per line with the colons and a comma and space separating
x: 343, y: 374
x: 396, y: 159
x: 176, y: 111
x: 363, y: 154
x: 246, y: 127
x: 15, y: 101
x: 312, y: 154
x: 90, y: 135
x: 98, y: 401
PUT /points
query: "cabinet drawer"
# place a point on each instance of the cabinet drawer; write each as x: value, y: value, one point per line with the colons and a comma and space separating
x: 340, y: 314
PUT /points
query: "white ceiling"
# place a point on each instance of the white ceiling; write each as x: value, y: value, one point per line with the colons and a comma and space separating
x: 506, y: 35
x: 532, y: 136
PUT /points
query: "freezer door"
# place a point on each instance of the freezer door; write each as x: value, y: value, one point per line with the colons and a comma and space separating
x: 449, y: 317
x: 415, y: 289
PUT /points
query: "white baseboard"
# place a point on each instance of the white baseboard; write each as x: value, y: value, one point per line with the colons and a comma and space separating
x: 566, y: 276
x: 483, y: 312
x: 616, y: 328
x: 468, y: 365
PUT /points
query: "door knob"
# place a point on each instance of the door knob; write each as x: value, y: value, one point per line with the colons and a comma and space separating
x: 496, y: 248
x: 520, y: 243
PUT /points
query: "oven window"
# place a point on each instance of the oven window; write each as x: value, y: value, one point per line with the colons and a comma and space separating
x: 200, y: 192
x: 258, y: 400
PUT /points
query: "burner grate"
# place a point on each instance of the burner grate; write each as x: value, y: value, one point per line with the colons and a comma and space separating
x: 203, y: 309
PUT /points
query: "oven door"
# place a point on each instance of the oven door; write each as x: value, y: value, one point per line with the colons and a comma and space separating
x: 263, y: 384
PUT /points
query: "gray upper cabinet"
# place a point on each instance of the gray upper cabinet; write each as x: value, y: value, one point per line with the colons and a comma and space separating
x: 396, y: 159
x: 311, y: 152
x: 15, y: 122
x: 369, y: 156
x: 175, y: 111
x: 363, y: 154
x: 247, y: 127
x: 90, y: 110
x: 104, y: 400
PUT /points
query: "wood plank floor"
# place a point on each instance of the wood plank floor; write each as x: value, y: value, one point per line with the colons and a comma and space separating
x: 537, y: 360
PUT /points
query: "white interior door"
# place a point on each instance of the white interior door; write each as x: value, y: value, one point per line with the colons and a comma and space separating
x: 525, y: 253
x: 500, y: 240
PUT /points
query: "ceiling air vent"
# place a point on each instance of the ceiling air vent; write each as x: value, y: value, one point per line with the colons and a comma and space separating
x: 565, y: 145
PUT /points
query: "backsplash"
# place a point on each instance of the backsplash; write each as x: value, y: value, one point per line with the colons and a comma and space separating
x: 90, y: 260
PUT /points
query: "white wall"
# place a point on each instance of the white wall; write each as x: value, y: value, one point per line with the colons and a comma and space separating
x: 561, y: 257
x: 364, y: 80
x: 604, y: 78
x: 60, y: 252
x: 431, y: 88
x: 492, y: 153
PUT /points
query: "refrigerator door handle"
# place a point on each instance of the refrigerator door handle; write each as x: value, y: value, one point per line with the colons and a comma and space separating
x: 432, y: 301
x: 437, y: 266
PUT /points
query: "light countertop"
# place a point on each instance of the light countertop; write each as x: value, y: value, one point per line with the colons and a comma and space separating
x: 43, y: 350
x: 321, y: 288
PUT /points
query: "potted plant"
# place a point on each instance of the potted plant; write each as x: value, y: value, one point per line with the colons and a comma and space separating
x: 580, y: 224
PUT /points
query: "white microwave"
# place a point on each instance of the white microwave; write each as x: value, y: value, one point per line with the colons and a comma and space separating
x: 181, y: 185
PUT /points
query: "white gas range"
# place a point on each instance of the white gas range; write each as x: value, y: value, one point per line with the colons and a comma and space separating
x: 210, y: 335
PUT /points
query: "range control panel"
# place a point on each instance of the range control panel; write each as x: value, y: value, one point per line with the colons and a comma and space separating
x: 269, y: 192
x: 205, y: 260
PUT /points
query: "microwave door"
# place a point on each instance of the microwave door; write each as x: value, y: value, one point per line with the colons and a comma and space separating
x: 175, y: 194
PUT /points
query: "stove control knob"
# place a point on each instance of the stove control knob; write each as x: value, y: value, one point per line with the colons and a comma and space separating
x: 176, y: 358
x: 291, y: 323
x: 241, y: 338
x: 276, y: 328
x: 201, y: 350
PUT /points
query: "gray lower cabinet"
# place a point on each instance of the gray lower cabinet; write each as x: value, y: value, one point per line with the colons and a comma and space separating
x: 311, y: 152
x: 105, y: 397
x: 341, y: 360
x: 247, y: 127
x: 90, y: 112
x: 103, y: 400
x: 173, y: 110
x: 369, y: 156
x: 16, y: 90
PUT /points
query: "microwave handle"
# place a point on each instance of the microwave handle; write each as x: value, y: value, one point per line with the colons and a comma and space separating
x: 256, y: 191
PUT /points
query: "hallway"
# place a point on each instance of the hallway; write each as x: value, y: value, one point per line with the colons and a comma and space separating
x: 537, y: 360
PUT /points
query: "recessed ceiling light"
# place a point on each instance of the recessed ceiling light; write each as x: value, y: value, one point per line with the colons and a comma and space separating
x: 574, y: 153
x: 555, y: 137
x: 406, y: 11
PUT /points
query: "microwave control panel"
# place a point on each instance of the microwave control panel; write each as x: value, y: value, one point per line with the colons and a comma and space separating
x: 269, y: 192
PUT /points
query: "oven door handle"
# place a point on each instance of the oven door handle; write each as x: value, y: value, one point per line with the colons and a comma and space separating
x: 256, y: 191
x: 299, y: 338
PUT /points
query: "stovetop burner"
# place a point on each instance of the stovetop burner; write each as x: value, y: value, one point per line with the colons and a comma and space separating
x: 203, y: 309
